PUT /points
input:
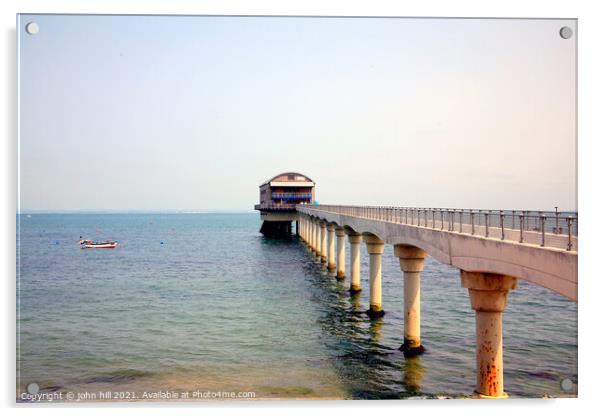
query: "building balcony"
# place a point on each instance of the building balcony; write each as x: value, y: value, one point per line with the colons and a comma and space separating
x: 275, y: 207
x: 291, y: 195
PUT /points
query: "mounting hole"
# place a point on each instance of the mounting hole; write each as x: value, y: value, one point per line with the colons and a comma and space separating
x: 32, y: 28
x: 566, y: 384
x: 566, y: 32
x: 33, y: 388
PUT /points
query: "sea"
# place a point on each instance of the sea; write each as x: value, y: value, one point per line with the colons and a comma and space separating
x: 203, y: 306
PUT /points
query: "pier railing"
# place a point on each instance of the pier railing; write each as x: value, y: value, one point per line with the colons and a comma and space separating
x: 545, y: 228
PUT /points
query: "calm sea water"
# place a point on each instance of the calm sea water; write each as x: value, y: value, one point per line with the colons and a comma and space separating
x: 203, y: 302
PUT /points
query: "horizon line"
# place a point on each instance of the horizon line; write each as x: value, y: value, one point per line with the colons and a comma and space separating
x: 133, y: 211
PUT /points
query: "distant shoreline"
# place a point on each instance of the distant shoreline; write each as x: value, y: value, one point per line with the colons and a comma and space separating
x: 31, y: 212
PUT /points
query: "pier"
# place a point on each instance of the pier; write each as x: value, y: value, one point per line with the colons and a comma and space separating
x: 492, y: 249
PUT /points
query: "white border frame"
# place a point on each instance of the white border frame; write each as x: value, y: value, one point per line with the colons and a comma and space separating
x: 590, y: 32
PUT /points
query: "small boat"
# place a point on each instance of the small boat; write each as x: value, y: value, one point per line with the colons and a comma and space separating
x: 97, y: 244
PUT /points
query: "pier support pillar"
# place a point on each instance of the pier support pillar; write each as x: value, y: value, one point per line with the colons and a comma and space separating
x: 340, y: 232
x: 488, y: 297
x: 323, y: 237
x: 331, y: 260
x: 318, y: 239
x: 305, y: 230
x: 313, y: 235
x: 375, y: 248
x: 355, y: 241
x: 411, y: 262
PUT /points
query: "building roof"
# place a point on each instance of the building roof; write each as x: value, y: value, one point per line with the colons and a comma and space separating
x: 286, y: 174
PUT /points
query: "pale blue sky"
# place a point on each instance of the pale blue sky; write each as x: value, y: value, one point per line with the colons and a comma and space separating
x: 148, y: 113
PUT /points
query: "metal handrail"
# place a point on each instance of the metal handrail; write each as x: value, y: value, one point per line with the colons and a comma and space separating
x: 485, y: 223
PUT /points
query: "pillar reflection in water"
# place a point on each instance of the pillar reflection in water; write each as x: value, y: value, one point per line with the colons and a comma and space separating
x: 355, y: 317
x: 376, y: 330
x: 355, y: 300
x: 413, y: 373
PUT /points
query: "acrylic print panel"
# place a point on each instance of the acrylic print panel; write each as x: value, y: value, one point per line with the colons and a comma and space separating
x: 249, y: 208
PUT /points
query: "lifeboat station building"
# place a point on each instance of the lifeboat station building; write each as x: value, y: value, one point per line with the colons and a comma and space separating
x: 278, y: 198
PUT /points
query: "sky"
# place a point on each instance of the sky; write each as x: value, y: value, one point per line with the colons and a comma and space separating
x: 194, y: 113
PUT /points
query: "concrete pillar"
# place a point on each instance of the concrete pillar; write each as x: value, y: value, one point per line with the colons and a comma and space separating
x: 411, y: 262
x: 340, y: 232
x: 330, y: 245
x: 318, y: 244
x: 304, y: 229
x: 323, y: 237
x: 355, y: 241
x: 375, y: 247
x: 488, y: 297
x: 308, y: 232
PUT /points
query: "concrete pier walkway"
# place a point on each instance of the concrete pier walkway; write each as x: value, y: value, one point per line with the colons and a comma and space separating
x: 493, y: 250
